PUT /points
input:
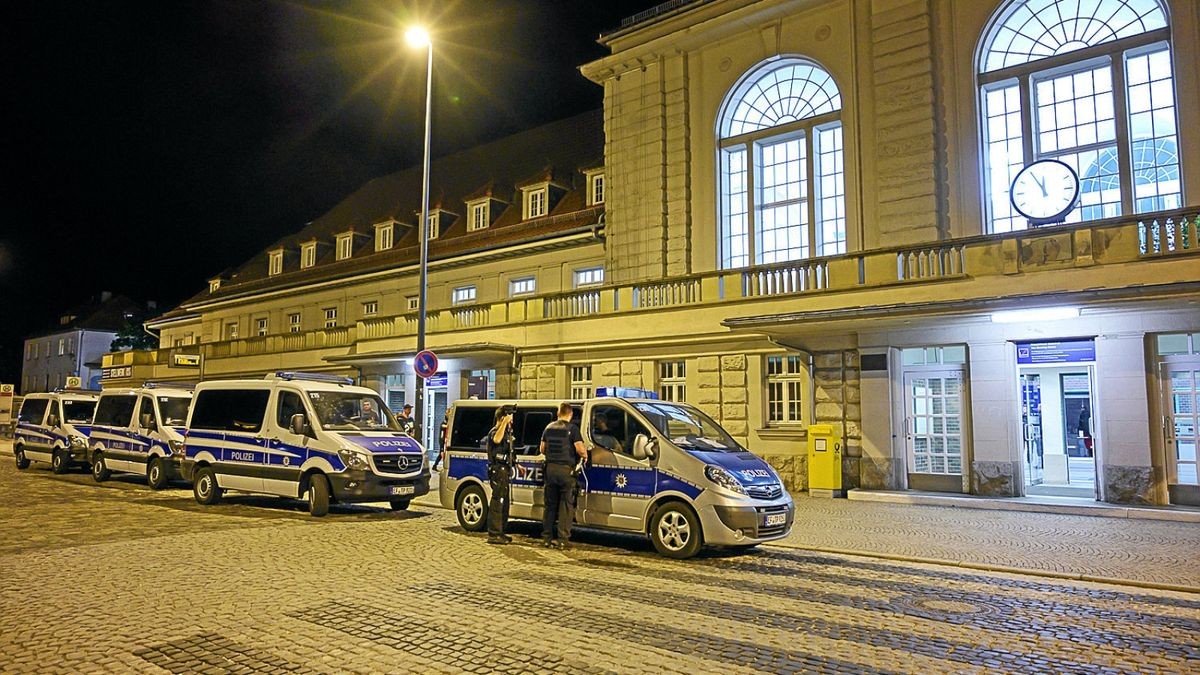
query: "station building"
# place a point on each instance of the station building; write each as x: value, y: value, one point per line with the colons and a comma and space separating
x: 792, y: 212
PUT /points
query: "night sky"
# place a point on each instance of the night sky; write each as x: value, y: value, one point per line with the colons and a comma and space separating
x: 152, y: 144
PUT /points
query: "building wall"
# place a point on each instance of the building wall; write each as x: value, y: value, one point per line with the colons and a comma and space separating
x: 48, y: 369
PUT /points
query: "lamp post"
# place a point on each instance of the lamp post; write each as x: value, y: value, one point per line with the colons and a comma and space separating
x: 418, y: 37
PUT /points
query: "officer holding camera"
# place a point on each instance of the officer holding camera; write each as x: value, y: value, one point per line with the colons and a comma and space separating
x: 501, y: 458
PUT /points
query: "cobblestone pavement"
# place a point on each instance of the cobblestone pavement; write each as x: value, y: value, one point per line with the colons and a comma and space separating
x: 118, y: 578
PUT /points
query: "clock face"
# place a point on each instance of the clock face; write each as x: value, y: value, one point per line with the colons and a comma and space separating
x: 1045, y: 191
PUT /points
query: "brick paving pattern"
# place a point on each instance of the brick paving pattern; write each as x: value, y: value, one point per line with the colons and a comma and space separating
x: 119, y: 578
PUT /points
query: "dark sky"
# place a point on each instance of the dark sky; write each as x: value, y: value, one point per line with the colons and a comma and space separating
x: 152, y: 144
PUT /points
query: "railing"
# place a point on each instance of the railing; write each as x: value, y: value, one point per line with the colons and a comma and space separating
x: 471, y: 317
x: 930, y: 263
x: 667, y: 293
x: 785, y: 279
x: 571, y: 305
x: 1168, y: 235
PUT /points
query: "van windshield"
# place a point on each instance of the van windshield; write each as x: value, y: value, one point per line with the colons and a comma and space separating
x: 346, y: 411
x: 687, y: 427
x: 174, y: 410
x: 78, y: 412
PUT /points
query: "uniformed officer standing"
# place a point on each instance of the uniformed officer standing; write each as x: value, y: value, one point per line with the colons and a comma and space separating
x: 562, y: 445
x: 501, y: 457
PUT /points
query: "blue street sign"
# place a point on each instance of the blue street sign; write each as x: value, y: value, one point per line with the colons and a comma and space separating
x: 437, y: 380
x: 1067, y: 351
x: 425, y: 363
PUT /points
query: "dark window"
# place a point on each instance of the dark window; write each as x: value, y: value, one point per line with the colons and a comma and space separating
x: 471, y: 426
x: 531, y: 424
x: 78, y: 412
x: 230, y: 409
x: 116, y: 411
x: 290, y: 404
x: 32, y: 410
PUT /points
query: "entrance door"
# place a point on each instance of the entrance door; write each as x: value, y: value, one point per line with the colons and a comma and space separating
x: 1181, y: 384
x: 933, y: 403
x: 435, y: 412
x: 1031, y: 427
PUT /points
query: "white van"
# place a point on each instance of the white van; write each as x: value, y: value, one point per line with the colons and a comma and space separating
x: 655, y: 467
x: 53, y: 428
x: 300, y: 435
x: 139, y: 431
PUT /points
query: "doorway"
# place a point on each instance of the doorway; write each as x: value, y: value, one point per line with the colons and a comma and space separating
x: 1058, y: 430
x: 435, y: 411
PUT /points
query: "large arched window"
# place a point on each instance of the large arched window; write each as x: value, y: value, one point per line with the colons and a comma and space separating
x: 777, y: 128
x: 1087, y: 82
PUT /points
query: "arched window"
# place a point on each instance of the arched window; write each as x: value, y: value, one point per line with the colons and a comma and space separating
x: 777, y: 128
x: 1087, y: 82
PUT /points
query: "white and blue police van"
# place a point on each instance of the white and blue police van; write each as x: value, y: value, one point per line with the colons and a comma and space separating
x: 53, y: 428
x: 301, y: 435
x: 654, y: 467
x: 140, y: 431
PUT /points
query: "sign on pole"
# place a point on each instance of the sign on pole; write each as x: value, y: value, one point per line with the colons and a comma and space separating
x: 74, y: 382
x: 425, y: 363
x: 185, y: 360
x: 6, y: 403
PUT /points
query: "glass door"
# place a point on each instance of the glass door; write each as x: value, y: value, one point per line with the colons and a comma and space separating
x: 1182, y: 382
x: 933, y: 405
x: 1031, y: 427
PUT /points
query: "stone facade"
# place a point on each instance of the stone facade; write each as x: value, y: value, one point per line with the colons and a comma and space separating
x: 994, y: 479
x: 1129, y: 484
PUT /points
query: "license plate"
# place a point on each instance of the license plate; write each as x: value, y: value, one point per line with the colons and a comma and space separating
x: 776, y: 519
x: 403, y: 489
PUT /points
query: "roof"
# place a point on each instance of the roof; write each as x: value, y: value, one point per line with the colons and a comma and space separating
x: 559, y: 149
x: 106, y: 314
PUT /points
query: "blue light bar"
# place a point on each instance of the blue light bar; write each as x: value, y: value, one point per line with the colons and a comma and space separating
x: 310, y: 377
x: 625, y: 392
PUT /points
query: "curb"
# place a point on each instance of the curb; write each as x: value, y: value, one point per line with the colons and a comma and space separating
x: 988, y: 567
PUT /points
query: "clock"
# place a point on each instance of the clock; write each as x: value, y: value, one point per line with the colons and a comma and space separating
x: 1045, y: 191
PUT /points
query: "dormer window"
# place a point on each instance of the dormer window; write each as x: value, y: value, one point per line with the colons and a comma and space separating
x: 345, y: 245
x: 214, y: 285
x: 385, y: 234
x: 275, y: 262
x: 479, y: 216
x: 595, y: 187
x: 432, y: 226
x: 535, y: 201
x: 308, y: 254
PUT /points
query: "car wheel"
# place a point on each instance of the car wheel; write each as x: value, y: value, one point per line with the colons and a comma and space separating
x: 59, y: 463
x: 156, y: 474
x: 205, y: 487
x: 400, y: 504
x: 318, y: 495
x: 100, y: 471
x: 675, y: 531
x: 22, y: 460
x: 472, y: 509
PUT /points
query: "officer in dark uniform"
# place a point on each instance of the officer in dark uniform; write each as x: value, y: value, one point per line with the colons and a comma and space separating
x: 501, y: 457
x: 562, y: 446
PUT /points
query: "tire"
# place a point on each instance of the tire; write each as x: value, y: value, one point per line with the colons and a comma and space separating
x: 100, y: 470
x: 471, y: 508
x: 318, y: 495
x: 22, y: 460
x: 675, y: 531
x: 59, y: 463
x: 205, y: 487
x: 400, y: 504
x: 156, y: 474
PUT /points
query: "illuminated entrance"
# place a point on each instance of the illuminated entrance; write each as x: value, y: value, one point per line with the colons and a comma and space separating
x: 1058, y: 425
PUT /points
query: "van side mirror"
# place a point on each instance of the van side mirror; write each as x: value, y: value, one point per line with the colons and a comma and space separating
x: 147, y: 420
x: 298, y: 424
x: 53, y: 420
x: 644, y: 447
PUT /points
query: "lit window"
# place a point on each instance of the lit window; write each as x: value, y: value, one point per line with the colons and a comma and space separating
x: 672, y: 381
x: 370, y: 308
x: 522, y: 286
x: 294, y: 322
x: 786, y: 378
x: 596, y: 187
x: 345, y: 246
x: 275, y: 263
x: 308, y: 254
x: 231, y: 330
x: 62, y: 346
x: 1075, y: 107
x: 535, y: 203
x: 479, y: 216
x: 260, y: 326
x: 414, y: 303
x: 331, y: 317
x: 589, y: 276
x: 463, y: 295
x: 431, y: 226
x: 773, y: 124
x: 383, y: 236
x: 581, y: 382
x: 213, y: 285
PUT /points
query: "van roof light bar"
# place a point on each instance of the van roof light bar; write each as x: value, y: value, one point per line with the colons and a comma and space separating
x: 310, y: 377
x: 168, y: 385
x: 625, y: 392
x: 74, y: 390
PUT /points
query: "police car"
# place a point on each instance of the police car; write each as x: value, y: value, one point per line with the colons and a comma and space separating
x: 53, y: 428
x: 139, y: 431
x: 658, y: 468
x: 300, y: 435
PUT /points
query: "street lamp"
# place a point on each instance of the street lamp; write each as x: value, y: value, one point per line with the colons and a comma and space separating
x: 417, y: 37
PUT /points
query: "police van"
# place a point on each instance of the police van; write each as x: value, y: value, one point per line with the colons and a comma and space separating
x: 139, y: 431
x: 53, y: 428
x: 300, y: 435
x: 654, y: 467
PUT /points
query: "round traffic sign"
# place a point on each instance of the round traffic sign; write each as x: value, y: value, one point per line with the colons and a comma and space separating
x: 425, y: 363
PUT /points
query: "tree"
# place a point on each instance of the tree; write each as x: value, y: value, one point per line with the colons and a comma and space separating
x: 131, y: 336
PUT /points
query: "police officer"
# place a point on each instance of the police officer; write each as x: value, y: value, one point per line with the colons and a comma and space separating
x: 501, y: 457
x: 562, y: 446
x: 405, y: 420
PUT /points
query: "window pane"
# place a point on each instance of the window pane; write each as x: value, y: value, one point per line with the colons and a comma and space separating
x: 1152, y: 130
x: 735, y: 219
x: 787, y: 92
x: 1005, y: 155
x: 830, y: 192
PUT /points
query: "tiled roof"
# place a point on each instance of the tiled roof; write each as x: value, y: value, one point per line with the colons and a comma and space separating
x: 558, y: 149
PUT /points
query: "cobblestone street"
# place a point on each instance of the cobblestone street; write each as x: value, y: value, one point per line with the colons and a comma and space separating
x: 119, y: 578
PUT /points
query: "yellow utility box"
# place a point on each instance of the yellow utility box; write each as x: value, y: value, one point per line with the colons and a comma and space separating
x: 824, y: 461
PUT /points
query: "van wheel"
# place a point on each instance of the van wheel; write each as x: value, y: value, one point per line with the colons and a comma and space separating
x: 205, y: 487
x: 675, y: 531
x: 100, y: 472
x: 400, y: 504
x: 318, y: 495
x: 22, y: 460
x: 471, y: 509
x: 156, y: 475
x: 59, y: 463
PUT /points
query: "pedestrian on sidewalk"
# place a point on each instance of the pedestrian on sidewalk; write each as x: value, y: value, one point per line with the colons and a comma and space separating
x: 562, y: 446
x: 501, y: 458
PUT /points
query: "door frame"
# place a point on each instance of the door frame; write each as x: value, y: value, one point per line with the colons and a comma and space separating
x: 1177, y: 493
x: 1097, y: 414
x: 930, y: 481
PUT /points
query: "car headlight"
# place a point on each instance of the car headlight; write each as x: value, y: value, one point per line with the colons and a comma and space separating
x: 78, y: 441
x: 353, y: 458
x: 724, y: 479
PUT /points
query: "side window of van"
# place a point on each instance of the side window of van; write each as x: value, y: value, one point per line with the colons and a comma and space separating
x: 78, y: 412
x: 146, y: 408
x: 471, y: 426
x: 530, y: 428
x: 290, y: 404
x: 116, y: 411
x: 230, y: 409
x: 32, y: 410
